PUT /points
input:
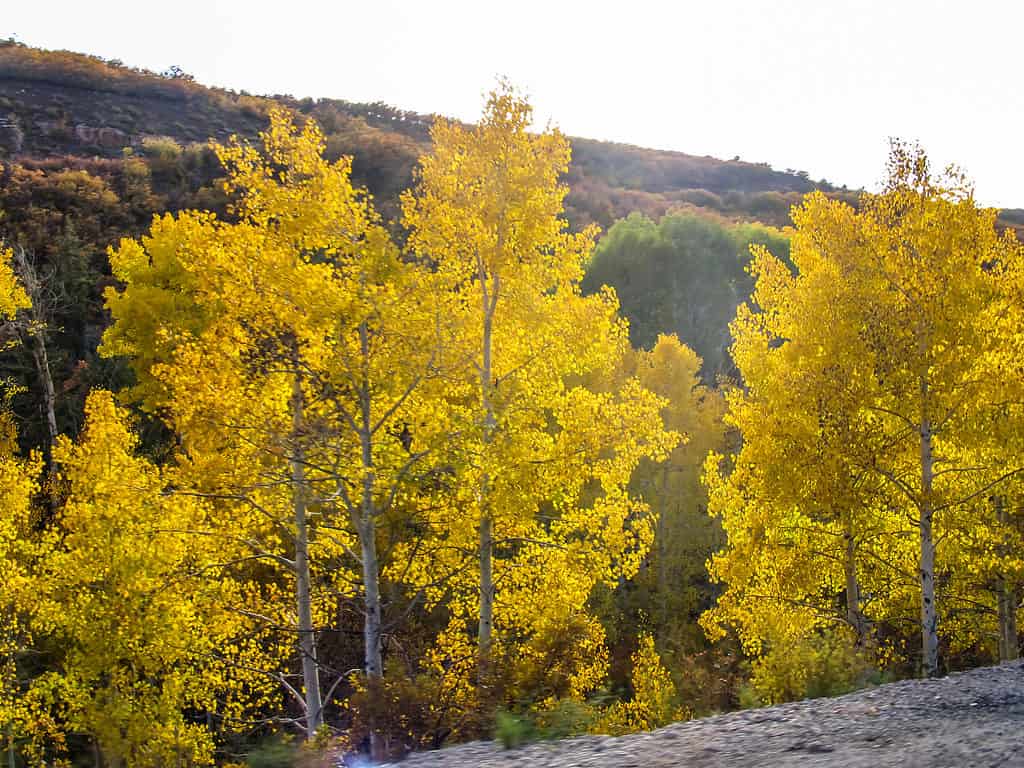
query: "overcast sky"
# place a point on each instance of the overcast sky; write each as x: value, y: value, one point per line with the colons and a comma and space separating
x: 815, y: 85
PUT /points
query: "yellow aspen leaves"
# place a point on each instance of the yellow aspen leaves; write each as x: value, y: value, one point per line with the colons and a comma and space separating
x: 143, y: 637
x: 12, y: 294
x: 653, y: 703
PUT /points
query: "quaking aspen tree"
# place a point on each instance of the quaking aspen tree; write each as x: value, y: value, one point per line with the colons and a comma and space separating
x: 874, y: 356
x: 316, y: 345
x: 685, y: 536
x: 547, y: 462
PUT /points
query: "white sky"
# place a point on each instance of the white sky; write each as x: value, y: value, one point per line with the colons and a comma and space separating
x: 815, y: 85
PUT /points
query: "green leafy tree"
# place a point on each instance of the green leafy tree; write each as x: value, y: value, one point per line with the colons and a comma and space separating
x: 684, y: 275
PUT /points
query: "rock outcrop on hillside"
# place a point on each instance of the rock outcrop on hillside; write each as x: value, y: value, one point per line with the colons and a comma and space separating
x: 972, y: 719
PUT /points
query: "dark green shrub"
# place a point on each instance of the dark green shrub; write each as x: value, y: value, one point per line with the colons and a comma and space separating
x: 275, y: 752
x: 513, y: 730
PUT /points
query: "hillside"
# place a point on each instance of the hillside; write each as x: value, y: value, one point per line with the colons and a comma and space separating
x: 65, y: 105
x: 90, y: 149
x: 59, y: 104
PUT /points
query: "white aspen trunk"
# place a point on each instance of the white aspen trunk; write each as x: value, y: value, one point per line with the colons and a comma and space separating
x: 929, y: 617
x: 1007, y: 597
x: 486, y: 550
x: 372, y: 656
x: 853, y: 613
x: 486, y: 585
x: 36, y: 330
x: 307, y: 637
x: 366, y: 527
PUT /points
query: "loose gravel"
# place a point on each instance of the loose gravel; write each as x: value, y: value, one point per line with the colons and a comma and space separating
x: 973, y: 718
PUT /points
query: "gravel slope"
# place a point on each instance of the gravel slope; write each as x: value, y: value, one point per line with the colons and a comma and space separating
x: 972, y: 718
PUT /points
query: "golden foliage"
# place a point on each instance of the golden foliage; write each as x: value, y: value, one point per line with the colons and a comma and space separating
x: 653, y: 704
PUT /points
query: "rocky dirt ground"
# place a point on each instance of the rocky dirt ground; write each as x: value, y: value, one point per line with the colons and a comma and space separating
x: 973, y: 718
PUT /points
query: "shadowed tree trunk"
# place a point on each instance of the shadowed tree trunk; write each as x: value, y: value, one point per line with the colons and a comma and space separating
x: 929, y: 617
x: 1007, y: 597
x: 307, y: 636
x: 854, y: 616
x: 35, y: 329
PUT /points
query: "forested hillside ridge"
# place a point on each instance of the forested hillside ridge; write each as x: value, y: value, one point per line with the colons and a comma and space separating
x: 296, y: 470
x: 58, y: 104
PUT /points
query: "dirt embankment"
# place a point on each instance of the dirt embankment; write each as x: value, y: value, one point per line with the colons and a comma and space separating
x: 972, y: 719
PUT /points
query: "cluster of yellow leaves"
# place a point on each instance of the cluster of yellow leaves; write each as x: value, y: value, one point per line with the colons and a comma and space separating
x: 20, y: 714
x: 826, y: 663
x: 12, y: 294
x: 144, y: 635
x: 685, y: 536
x: 653, y: 704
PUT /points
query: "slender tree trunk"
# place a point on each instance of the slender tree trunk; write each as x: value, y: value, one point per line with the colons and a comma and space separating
x: 36, y: 331
x: 929, y: 617
x: 1008, y: 648
x: 486, y: 552
x: 660, y: 533
x: 307, y: 637
x: 1007, y: 597
x: 661, y: 547
x: 854, y: 616
x: 42, y: 362
x: 366, y: 526
x: 486, y: 584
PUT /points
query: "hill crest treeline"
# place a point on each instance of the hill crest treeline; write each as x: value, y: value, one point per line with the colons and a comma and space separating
x: 68, y: 104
